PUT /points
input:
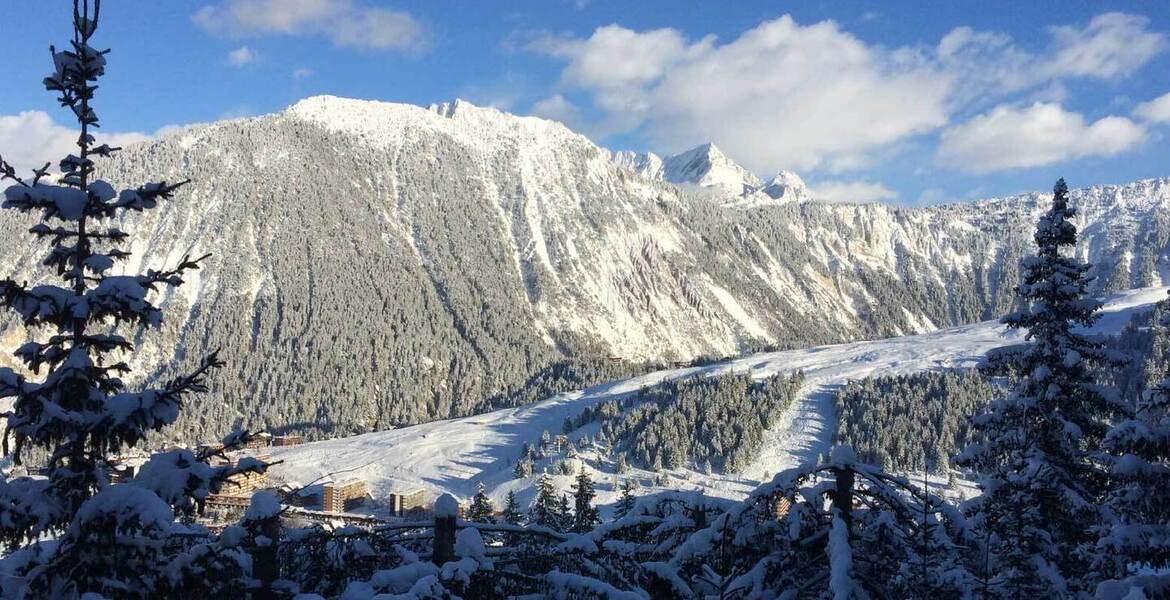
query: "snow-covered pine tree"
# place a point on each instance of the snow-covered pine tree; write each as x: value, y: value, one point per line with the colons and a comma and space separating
x: 1138, y: 457
x: 523, y: 469
x: 564, y: 513
x: 585, y: 515
x: 512, y: 514
x: 1040, y: 483
x: 481, y: 510
x: 621, y: 467
x: 110, y: 538
x: 626, y: 503
x: 841, y: 529
x: 545, y: 508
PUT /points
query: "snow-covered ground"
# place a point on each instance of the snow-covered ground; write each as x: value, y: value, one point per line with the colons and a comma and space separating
x: 455, y: 455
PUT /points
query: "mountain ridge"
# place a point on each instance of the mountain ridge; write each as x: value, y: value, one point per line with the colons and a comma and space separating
x: 377, y: 264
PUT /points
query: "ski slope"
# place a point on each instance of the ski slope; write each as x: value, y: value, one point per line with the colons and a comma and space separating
x: 455, y: 455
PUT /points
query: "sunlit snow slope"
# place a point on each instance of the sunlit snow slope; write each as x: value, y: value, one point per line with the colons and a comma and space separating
x: 456, y: 455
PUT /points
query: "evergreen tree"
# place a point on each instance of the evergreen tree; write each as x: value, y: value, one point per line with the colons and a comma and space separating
x: 1040, y: 485
x: 481, y: 509
x: 1138, y: 458
x: 622, y: 468
x: 523, y: 469
x: 545, y: 510
x: 564, y: 514
x: 626, y: 503
x: 842, y: 529
x: 585, y: 515
x: 512, y: 514
x: 109, y: 539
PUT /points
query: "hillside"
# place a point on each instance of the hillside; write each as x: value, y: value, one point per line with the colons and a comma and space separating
x: 380, y: 264
x: 456, y: 455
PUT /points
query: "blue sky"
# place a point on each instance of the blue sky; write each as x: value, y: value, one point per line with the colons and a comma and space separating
x: 912, y: 102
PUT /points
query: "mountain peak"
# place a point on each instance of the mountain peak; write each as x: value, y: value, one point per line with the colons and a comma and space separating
x: 705, y: 165
x: 645, y: 164
x: 786, y: 185
x: 449, y: 109
x: 337, y: 108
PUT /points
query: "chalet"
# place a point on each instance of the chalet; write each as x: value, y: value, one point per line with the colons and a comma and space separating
x: 343, y: 495
x: 780, y: 506
x: 247, y: 482
x: 291, y: 439
x: 122, y: 472
x: 259, y: 440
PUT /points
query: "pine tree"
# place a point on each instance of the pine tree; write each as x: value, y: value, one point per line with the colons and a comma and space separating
x: 842, y: 529
x: 523, y: 469
x: 481, y: 509
x: 585, y: 515
x: 1138, y: 457
x: 545, y: 510
x: 109, y: 538
x: 621, y: 467
x: 512, y: 514
x: 1040, y: 484
x: 626, y: 503
x: 564, y: 514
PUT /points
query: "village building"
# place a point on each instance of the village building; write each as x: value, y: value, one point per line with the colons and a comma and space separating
x: 344, y: 495
x: 407, y: 502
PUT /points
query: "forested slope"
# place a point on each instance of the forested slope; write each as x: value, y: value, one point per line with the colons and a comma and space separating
x: 377, y: 264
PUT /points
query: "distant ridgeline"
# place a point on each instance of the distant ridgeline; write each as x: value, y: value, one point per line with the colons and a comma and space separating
x: 916, y: 422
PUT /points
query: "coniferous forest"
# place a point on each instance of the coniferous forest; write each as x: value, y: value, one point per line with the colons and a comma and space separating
x: 1061, y: 440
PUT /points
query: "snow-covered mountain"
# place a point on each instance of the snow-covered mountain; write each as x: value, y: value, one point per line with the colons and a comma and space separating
x: 704, y: 166
x: 786, y: 186
x: 377, y: 264
x: 456, y: 456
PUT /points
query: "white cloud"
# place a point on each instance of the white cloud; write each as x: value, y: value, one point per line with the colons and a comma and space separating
x: 1156, y: 110
x: 617, y: 63
x: 984, y: 63
x: 1112, y: 45
x: 557, y: 108
x: 302, y: 73
x: 932, y: 196
x: 30, y: 139
x: 241, y: 56
x: 813, y: 97
x: 1041, y: 134
x: 851, y: 191
x: 781, y: 95
x: 343, y: 22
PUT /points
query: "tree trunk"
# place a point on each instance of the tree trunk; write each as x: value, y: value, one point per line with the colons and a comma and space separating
x: 843, y: 496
